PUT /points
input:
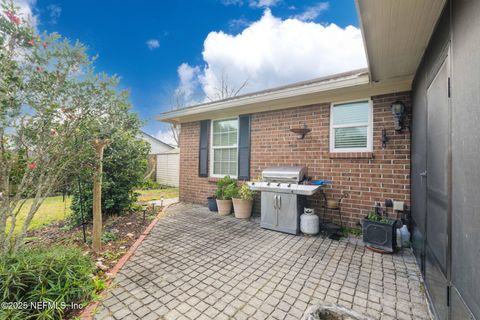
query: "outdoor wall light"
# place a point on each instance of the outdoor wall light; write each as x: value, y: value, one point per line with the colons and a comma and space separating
x: 301, y: 132
x: 398, y: 111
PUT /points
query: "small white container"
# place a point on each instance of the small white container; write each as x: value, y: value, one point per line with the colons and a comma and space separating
x: 309, y: 222
x: 405, y: 236
x: 399, y: 238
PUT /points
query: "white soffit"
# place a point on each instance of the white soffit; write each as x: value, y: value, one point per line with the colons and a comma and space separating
x: 396, y: 34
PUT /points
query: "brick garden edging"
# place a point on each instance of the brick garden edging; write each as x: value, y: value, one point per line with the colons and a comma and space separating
x: 87, y: 313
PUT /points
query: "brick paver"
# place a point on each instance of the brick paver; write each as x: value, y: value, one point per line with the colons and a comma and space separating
x: 198, y: 265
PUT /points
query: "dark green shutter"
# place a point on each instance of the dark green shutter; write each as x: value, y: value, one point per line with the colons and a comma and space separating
x: 203, y: 150
x: 244, y: 147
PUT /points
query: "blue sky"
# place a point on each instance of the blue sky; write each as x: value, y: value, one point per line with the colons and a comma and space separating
x: 145, y: 43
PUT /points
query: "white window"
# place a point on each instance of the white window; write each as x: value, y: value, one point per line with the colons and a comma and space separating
x: 224, y: 150
x: 351, y: 127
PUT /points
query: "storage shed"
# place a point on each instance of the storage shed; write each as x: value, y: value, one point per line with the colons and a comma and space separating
x: 168, y: 167
x: 156, y: 145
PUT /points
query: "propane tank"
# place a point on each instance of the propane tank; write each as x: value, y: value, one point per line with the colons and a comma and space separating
x: 309, y: 222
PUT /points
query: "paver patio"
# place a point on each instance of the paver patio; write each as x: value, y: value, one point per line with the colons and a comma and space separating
x: 198, y: 265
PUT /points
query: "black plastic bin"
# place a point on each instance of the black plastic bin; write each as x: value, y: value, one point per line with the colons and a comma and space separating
x: 212, y: 204
x: 380, y: 235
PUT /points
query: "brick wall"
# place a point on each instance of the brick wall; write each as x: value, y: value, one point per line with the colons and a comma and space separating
x: 365, y: 177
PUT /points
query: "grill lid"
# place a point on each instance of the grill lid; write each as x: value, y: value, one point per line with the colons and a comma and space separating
x: 285, y: 174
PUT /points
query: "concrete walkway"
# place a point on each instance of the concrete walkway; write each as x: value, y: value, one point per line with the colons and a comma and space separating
x: 164, y: 202
x: 198, y: 265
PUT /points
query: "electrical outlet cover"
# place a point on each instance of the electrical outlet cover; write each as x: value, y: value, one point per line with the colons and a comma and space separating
x: 398, y: 205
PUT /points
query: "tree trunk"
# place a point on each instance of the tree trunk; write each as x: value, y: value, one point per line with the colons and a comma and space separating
x: 151, y: 167
x: 99, y: 146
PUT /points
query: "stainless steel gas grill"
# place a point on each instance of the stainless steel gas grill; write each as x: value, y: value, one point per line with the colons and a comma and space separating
x: 283, y: 197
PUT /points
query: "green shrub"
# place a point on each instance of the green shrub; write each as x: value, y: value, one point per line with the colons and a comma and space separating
x: 226, y: 188
x: 231, y: 191
x: 99, y: 284
x: 351, y: 231
x: 149, y: 184
x: 373, y: 216
x: 245, y: 192
x: 54, y: 275
x: 124, y: 164
x: 137, y: 207
x: 109, y: 236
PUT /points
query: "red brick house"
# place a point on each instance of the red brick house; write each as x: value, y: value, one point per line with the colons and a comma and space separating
x: 358, y: 165
x: 424, y: 54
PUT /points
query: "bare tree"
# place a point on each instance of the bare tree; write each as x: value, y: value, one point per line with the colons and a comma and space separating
x: 178, y: 103
x: 225, y: 89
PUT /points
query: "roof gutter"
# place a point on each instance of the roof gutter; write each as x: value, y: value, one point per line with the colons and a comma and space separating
x: 343, y: 88
x: 268, y: 96
x: 360, y: 20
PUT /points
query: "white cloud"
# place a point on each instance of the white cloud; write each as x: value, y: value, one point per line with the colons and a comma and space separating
x: 232, y: 2
x: 263, y: 3
x: 166, y: 136
x: 55, y: 12
x: 153, y: 44
x: 313, y: 12
x: 235, y: 24
x: 272, y: 52
x: 187, y: 87
x: 26, y: 8
x: 251, y: 3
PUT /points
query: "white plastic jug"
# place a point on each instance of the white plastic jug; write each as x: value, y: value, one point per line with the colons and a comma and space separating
x: 399, y: 238
x: 405, y: 236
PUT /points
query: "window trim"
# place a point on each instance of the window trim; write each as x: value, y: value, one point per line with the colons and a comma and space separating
x: 369, y: 147
x: 212, y: 160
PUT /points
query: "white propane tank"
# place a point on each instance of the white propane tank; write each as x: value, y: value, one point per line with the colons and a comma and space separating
x: 309, y: 222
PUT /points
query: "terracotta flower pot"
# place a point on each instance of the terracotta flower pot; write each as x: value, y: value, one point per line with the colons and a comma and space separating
x: 224, y: 207
x: 242, y: 208
x: 332, y: 204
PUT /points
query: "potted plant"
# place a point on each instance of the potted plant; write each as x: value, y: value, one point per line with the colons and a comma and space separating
x: 226, y: 189
x: 379, y: 232
x: 243, y: 202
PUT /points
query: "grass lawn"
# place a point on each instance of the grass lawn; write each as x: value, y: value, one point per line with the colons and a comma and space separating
x: 52, y: 209
x: 156, y: 194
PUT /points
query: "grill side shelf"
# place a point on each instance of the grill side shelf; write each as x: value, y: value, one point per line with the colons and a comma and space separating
x: 306, y: 190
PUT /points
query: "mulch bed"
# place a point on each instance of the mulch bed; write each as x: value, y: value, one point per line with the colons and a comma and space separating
x: 120, y: 233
